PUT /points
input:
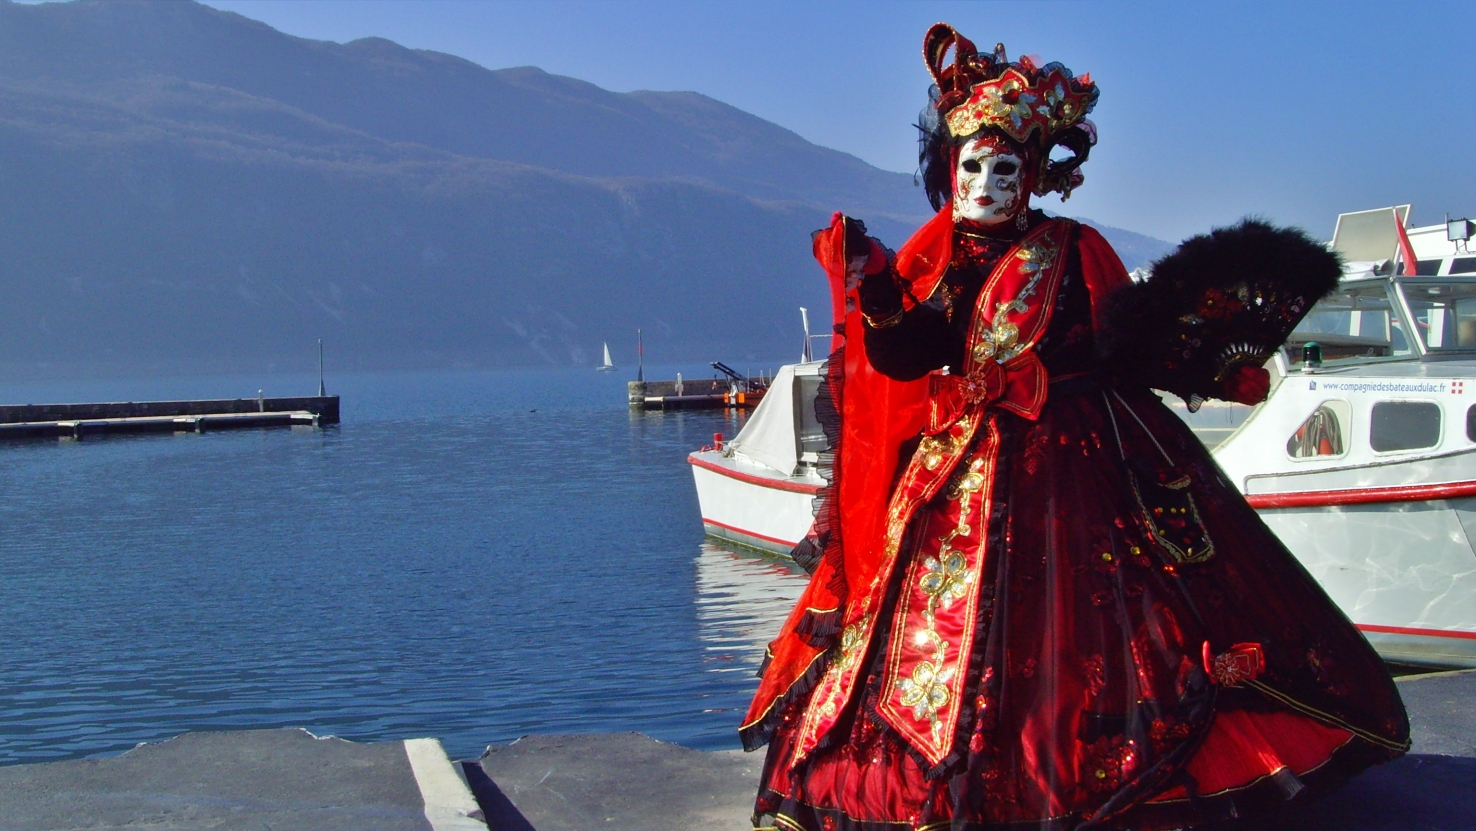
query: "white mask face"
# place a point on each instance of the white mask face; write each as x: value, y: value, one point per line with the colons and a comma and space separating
x: 988, y: 183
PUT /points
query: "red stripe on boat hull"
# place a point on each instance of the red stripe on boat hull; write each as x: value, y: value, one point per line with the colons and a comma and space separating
x: 1423, y: 633
x: 747, y: 533
x: 761, y: 481
x: 1362, y: 496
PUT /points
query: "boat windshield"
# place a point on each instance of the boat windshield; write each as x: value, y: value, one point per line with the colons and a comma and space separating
x: 1356, y: 321
x: 1444, y: 313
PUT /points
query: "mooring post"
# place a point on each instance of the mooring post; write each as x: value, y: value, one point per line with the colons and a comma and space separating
x: 636, y: 390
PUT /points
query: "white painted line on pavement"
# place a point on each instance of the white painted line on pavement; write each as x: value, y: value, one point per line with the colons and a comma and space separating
x: 448, y: 803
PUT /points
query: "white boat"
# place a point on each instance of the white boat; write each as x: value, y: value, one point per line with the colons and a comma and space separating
x: 1364, y: 465
x: 758, y: 489
x: 607, y: 366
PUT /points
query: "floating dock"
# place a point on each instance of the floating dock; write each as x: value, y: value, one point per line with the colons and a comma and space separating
x: 39, y: 421
x: 710, y: 394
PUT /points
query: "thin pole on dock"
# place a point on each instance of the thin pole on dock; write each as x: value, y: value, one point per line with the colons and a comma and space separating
x: 805, y: 354
x: 322, y: 391
x: 640, y: 357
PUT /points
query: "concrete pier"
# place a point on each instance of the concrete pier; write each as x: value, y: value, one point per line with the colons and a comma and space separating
x: 577, y: 783
x: 700, y: 394
x: 290, y: 780
x: 284, y: 780
x: 613, y: 780
x: 27, y: 421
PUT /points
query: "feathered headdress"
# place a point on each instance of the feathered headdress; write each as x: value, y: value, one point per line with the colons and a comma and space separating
x: 1037, y: 107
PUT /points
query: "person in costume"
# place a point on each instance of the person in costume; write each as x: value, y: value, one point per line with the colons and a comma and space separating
x: 1036, y: 601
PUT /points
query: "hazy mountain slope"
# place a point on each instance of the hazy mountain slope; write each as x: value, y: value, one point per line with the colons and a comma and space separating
x: 184, y: 248
x: 521, y: 115
x: 185, y: 188
x: 1135, y: 249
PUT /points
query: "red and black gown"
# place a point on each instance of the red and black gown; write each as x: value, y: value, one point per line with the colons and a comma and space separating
x: 1062, y: 614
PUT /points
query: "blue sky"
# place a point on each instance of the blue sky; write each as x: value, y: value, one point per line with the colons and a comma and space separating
x: 1209, y: 111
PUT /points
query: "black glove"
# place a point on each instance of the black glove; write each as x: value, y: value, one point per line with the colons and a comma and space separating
x: 881, y: 297
x: 857, y: 243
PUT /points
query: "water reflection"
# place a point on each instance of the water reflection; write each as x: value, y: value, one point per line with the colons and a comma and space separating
x: 473, y: 556
x: 742, y: 599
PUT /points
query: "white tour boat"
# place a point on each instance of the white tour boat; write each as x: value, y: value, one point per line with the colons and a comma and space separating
x: 1362, y: 461
x: 1365, y: 465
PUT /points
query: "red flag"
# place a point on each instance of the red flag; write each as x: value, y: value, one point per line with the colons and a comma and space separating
x: 1406, y: 251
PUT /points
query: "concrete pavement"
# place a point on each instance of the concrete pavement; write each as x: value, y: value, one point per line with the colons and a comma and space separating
x: 290, y: 780
x: 625, y: 780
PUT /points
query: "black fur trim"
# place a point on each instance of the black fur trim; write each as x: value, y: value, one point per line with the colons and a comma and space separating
x: 1222, y: 299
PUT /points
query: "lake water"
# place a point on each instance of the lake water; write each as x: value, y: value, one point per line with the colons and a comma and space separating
x: 474, y: 556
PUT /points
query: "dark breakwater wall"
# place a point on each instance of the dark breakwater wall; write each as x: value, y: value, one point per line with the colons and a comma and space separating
x: 324, y: 406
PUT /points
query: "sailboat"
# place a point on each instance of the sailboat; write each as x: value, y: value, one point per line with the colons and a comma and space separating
x: 607, y: 366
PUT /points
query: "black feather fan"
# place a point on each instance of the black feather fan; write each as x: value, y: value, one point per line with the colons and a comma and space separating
x: 1220, y: 301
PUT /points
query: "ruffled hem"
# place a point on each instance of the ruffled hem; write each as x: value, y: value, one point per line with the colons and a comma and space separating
x: 1243, y: 747
x: 1275, y: 769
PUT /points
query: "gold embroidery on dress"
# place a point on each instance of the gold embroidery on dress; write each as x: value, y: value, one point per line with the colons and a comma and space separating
x: 999, y: 339
x: 950, y: 294
x: 852, y: 641
x: 967, y: 481
x: 945, y: 579
x: 932, y: 451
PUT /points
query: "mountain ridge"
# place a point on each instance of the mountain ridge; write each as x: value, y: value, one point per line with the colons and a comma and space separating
x: 182, y: 187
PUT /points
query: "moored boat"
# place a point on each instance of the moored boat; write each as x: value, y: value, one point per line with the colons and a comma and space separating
x: 758, y: 489
x: 1364, y: 462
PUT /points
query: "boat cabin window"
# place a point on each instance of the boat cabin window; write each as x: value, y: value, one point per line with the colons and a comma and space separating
x: 1444, y: 313
x: 1321, y: 435
x: 1427, y: 268
x: 1404, y: 425
x: 810, y: 434
x: 1354, y: 321
x: 1463, y: 265
x: 1471, y: 423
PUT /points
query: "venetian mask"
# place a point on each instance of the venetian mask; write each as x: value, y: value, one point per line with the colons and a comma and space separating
x: 987, y: 182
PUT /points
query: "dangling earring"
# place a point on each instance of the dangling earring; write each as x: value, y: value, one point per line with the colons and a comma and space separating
x: 1021, y: 220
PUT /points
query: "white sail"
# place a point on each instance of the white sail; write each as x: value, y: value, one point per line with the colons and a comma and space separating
x: 608, y: 365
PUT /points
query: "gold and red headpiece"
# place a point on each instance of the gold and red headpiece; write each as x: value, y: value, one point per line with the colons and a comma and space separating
x: 1030, y: 104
